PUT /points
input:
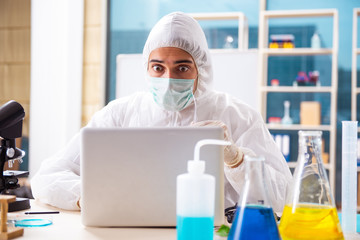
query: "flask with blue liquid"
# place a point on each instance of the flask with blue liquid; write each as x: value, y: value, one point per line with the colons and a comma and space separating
x: 254, y: 217
x: 195, y: 199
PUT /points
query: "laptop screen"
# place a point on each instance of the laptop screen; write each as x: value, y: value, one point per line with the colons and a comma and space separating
x: 128, y: 175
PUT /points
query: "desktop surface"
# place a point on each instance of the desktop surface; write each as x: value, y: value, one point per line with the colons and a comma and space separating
x: 67, y: 225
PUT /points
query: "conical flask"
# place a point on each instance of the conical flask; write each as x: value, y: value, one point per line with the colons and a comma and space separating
x: 310, y: 211
x: 254, y: 217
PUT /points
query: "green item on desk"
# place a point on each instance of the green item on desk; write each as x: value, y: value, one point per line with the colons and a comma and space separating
x: 223, y: 231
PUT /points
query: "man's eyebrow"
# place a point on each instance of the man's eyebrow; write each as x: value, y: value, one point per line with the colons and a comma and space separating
x: 155, y: 60
x: 176, y: 62
x: 183, y: 61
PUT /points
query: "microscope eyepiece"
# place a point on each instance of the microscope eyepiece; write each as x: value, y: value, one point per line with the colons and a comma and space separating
x: 11, y: 119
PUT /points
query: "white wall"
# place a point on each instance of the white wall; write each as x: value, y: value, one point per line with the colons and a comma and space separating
x: 56, y: 76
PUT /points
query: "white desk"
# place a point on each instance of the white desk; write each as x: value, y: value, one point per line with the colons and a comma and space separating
x: 67, y: 225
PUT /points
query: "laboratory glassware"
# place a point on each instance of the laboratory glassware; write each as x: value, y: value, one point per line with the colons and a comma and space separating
x: 349, y: 176
x: 254, y: 217
x: 286, y: 119
x: 310, y: 211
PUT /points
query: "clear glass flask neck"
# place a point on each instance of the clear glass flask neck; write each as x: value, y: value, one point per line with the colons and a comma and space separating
x: 311, y: 182
x: 310, y: 146
x: 255, y: 179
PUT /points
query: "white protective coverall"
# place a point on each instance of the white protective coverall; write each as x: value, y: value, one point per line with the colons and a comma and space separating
x: 58, y: 180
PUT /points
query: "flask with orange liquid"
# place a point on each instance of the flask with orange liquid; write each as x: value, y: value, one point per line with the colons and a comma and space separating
x: 310, y: 211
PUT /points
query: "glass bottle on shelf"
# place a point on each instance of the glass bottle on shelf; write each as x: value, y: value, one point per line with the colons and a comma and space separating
x: 254, y: 217
x: 310, y: 211
x: 286, y: 120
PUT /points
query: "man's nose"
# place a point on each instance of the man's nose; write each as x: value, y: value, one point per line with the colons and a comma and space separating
x: 169, y: 74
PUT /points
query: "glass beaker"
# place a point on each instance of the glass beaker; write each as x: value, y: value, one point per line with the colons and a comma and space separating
x: 310, y: 211
x: 254, y: 217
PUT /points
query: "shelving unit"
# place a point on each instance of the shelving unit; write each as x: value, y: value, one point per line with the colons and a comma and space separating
x: 355, y: 90
x: 296, y: 51
x: 295, y: 89
x: 243, y: 28
x: 271, y: 126
x: 265, y: 52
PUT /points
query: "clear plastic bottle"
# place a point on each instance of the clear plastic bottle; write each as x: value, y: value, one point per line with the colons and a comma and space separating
x: 315, y: 41
x: 310, y: 211
x: 195, y: 199
x: 254, y: 217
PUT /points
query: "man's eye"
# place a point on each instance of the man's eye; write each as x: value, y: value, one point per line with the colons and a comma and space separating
x: 183, y: 68
x: 157, y: 68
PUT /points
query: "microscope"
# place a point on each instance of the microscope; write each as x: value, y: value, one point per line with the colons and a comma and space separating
x: 11, y: 120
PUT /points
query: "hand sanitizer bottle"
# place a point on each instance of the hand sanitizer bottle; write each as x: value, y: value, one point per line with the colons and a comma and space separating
x: 195, y: 198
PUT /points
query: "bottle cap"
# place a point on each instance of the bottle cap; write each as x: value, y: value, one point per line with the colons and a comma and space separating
x: 196, y: 166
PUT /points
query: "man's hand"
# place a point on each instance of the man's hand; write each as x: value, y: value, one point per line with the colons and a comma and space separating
x: 233, y: 156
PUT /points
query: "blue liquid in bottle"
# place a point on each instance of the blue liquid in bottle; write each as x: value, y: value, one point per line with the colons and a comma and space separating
x: 258, y: 223
x: 195, y: 228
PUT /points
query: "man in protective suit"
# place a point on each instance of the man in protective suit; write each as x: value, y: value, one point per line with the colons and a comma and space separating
x: 179, y: 71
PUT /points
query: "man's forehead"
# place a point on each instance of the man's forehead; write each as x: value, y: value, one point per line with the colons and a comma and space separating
x: 170, y: 54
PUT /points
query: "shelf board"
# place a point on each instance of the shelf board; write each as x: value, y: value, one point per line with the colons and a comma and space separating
x: 274, y: 126
x: 218, y: 16
x: 296, y: 89
x: 299, y: 13
x: 293, y: 165
x: 296, y: 51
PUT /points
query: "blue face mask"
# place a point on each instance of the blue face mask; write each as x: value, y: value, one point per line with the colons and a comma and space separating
x: 172, y: 94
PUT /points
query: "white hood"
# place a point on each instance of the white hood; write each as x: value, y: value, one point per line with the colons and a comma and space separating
x: 182, y: 31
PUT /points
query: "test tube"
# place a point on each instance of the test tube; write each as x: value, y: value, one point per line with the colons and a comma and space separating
x: 349, y: 176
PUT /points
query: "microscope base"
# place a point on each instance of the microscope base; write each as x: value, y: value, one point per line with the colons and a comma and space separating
x: 19, y: 204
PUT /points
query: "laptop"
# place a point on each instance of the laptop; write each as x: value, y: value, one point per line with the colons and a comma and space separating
x: 128, y: 175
